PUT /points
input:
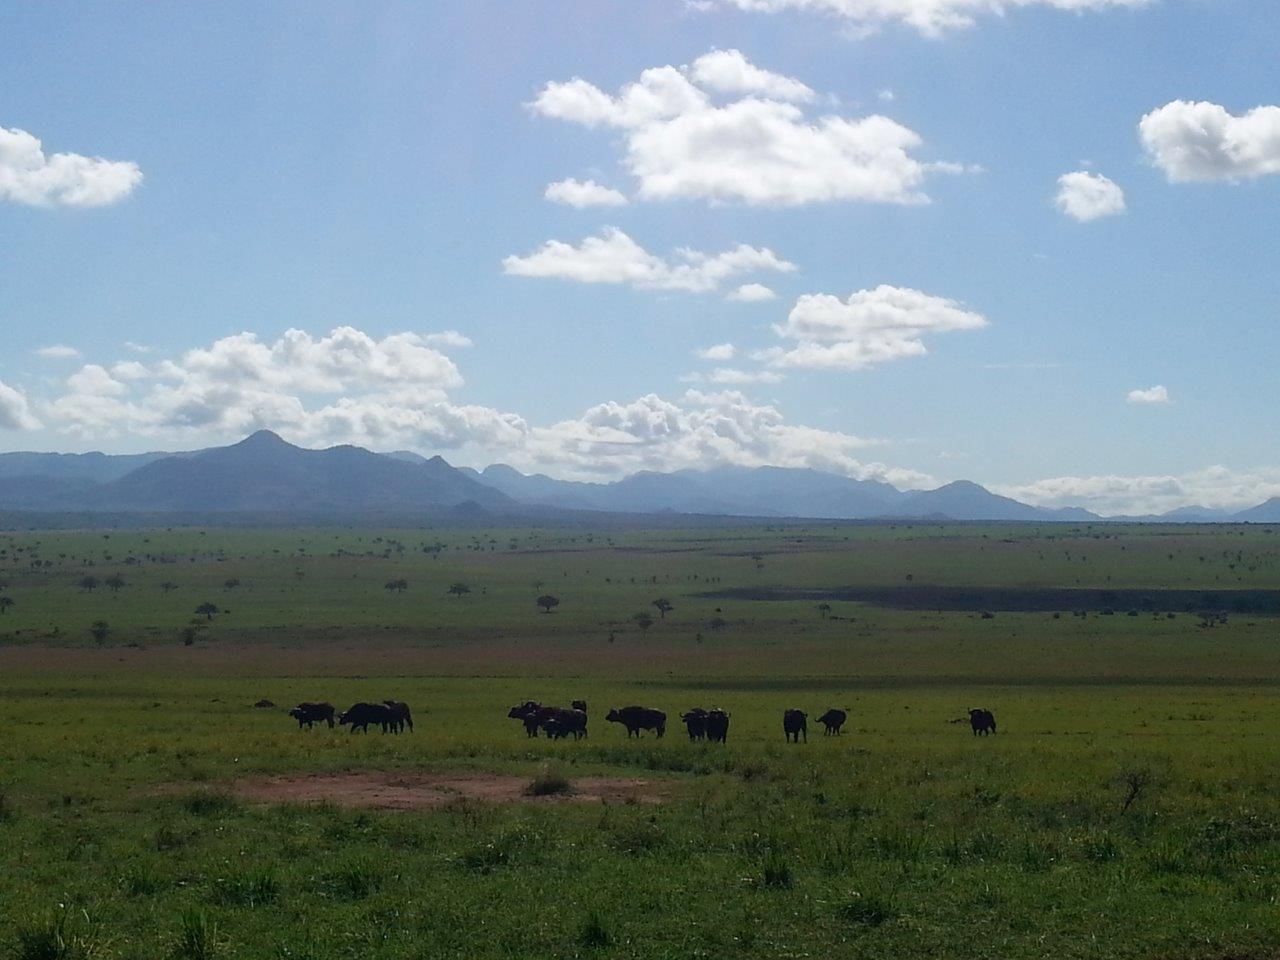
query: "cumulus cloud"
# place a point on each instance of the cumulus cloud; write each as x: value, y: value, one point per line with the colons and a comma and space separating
x: 720, y: 351
x: 1216, y: 487
x: 30, y: 176
x: 1087, y: 196
x: 447, y: 338
x: 15, y: 412
x: 731, y: 376
x: 751, y: 293
x: 613, y: 257
x: 930, y: 17
x: 760, y: 148
x: 1204, y: 141
x: 583, y: 193
x: 728, y: 71
x: 345, y: 384
x: 697, y: 431
x: 870, y: 327
x: 1156, y: 394
x: 58, y: 351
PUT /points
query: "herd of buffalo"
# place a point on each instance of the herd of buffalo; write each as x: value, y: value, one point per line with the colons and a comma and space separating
x: 393, y: 716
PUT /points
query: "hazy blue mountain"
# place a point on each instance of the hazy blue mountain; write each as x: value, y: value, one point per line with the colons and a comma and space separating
x: 740, y: 491
x: 91, y: 467
x: 965, y: 500
x: 1267, y: 512
x: 264, y: 473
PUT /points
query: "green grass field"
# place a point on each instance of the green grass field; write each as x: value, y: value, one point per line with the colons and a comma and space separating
x: 1129, y: 806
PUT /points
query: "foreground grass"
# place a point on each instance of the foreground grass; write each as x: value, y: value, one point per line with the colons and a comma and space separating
x: 904, y: 837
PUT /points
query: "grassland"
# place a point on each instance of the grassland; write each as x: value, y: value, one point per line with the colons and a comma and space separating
x: 120, y: 827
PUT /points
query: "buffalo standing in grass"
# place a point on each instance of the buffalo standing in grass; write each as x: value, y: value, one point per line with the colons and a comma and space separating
x: 833, y: 720
x: 579, y: 705
x: 360, y: 715
x: 565, y: 722
x: 636, y: 719
x: 527, y: 713
x: 983, y: 722
x: 400, y: 714
x: 308, y: 714
x: 794, y: 724
x: 717, y: 726
x: 695, y: 721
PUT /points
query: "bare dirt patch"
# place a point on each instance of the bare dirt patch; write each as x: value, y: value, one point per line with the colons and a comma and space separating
x: 416, y: 791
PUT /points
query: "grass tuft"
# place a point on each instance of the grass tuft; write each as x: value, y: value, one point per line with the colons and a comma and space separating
x: 549, y: 782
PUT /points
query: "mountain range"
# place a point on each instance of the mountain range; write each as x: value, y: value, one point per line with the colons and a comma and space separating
x: 263, y: 474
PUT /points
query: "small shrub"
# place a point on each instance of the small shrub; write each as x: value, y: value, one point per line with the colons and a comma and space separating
x: 64, y: 935
x: 141, y: 881
x: 594, y: 934
x: 777, y: 872
x: 549, y: 782
x: 207, y: 803
x: 198, y: 938
x: 7, y: 811
x: 355, y: 881
x: 866, y: 911
x: 249, y: 890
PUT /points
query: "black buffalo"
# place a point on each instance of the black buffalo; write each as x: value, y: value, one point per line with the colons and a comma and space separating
x: 833, y: 720
x: 794, y: 724
x: 695, y: 722
x: 527, y: 713
x: 566, y: 722
x: 400, y: 714
x: 717, y: 726
x: 636, y: 719
x: 983, y: 722
x: 579, y: 705
x: 360, y: 715
x: 308, y: 714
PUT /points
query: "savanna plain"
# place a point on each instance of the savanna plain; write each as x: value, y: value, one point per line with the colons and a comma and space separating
x: 1127, y: 807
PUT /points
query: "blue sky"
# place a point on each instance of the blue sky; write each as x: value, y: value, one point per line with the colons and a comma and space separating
x: 379, y: 170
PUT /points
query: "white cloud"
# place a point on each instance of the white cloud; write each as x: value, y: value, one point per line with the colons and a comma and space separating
x: 447, y: 338
x: 732, y: 377
x: 345, y: 384
x: 1203, y: 141
x: 1156, y: 394
x: 758, y: 149
x: 720, y: 351
x: 728, y: 71
x: 1215, y: 487
x: 701, y: 430
x: 15, y: 412
x: 930, y: 17
x: 751, y: 293
x: 580, y: 194
x: 613, y: 257
x: 886, y: 95
x: 58, y: 351
x: 136, y: 347
x: 30, y: 176
x: 1087, y: 196
x: 870, y: 327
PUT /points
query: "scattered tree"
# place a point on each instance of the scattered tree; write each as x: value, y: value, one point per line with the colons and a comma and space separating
x: 88, y: 584
x: 189, y: 635
x: 458, y: 589
x: 230, y: 584
x: 5, y: 604
x: 663, y: 606
x: 168, y: 586
x: 115, y: 583
x: 824, y: 610
x: 99, y: 630
x: 207, y: 610
x: 547, y: 602
x: 643, y: 621
x: 397, y: 586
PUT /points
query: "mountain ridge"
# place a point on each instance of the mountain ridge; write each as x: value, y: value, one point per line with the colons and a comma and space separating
x: 263, y: 473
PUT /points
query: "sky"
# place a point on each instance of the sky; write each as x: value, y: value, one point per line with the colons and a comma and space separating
x: 1029, y: 243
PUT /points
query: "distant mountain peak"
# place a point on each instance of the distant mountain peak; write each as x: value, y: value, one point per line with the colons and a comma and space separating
x: 264, y: 439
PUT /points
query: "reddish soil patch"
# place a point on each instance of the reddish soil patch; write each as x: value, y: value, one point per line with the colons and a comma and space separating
x: 415, y: 791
